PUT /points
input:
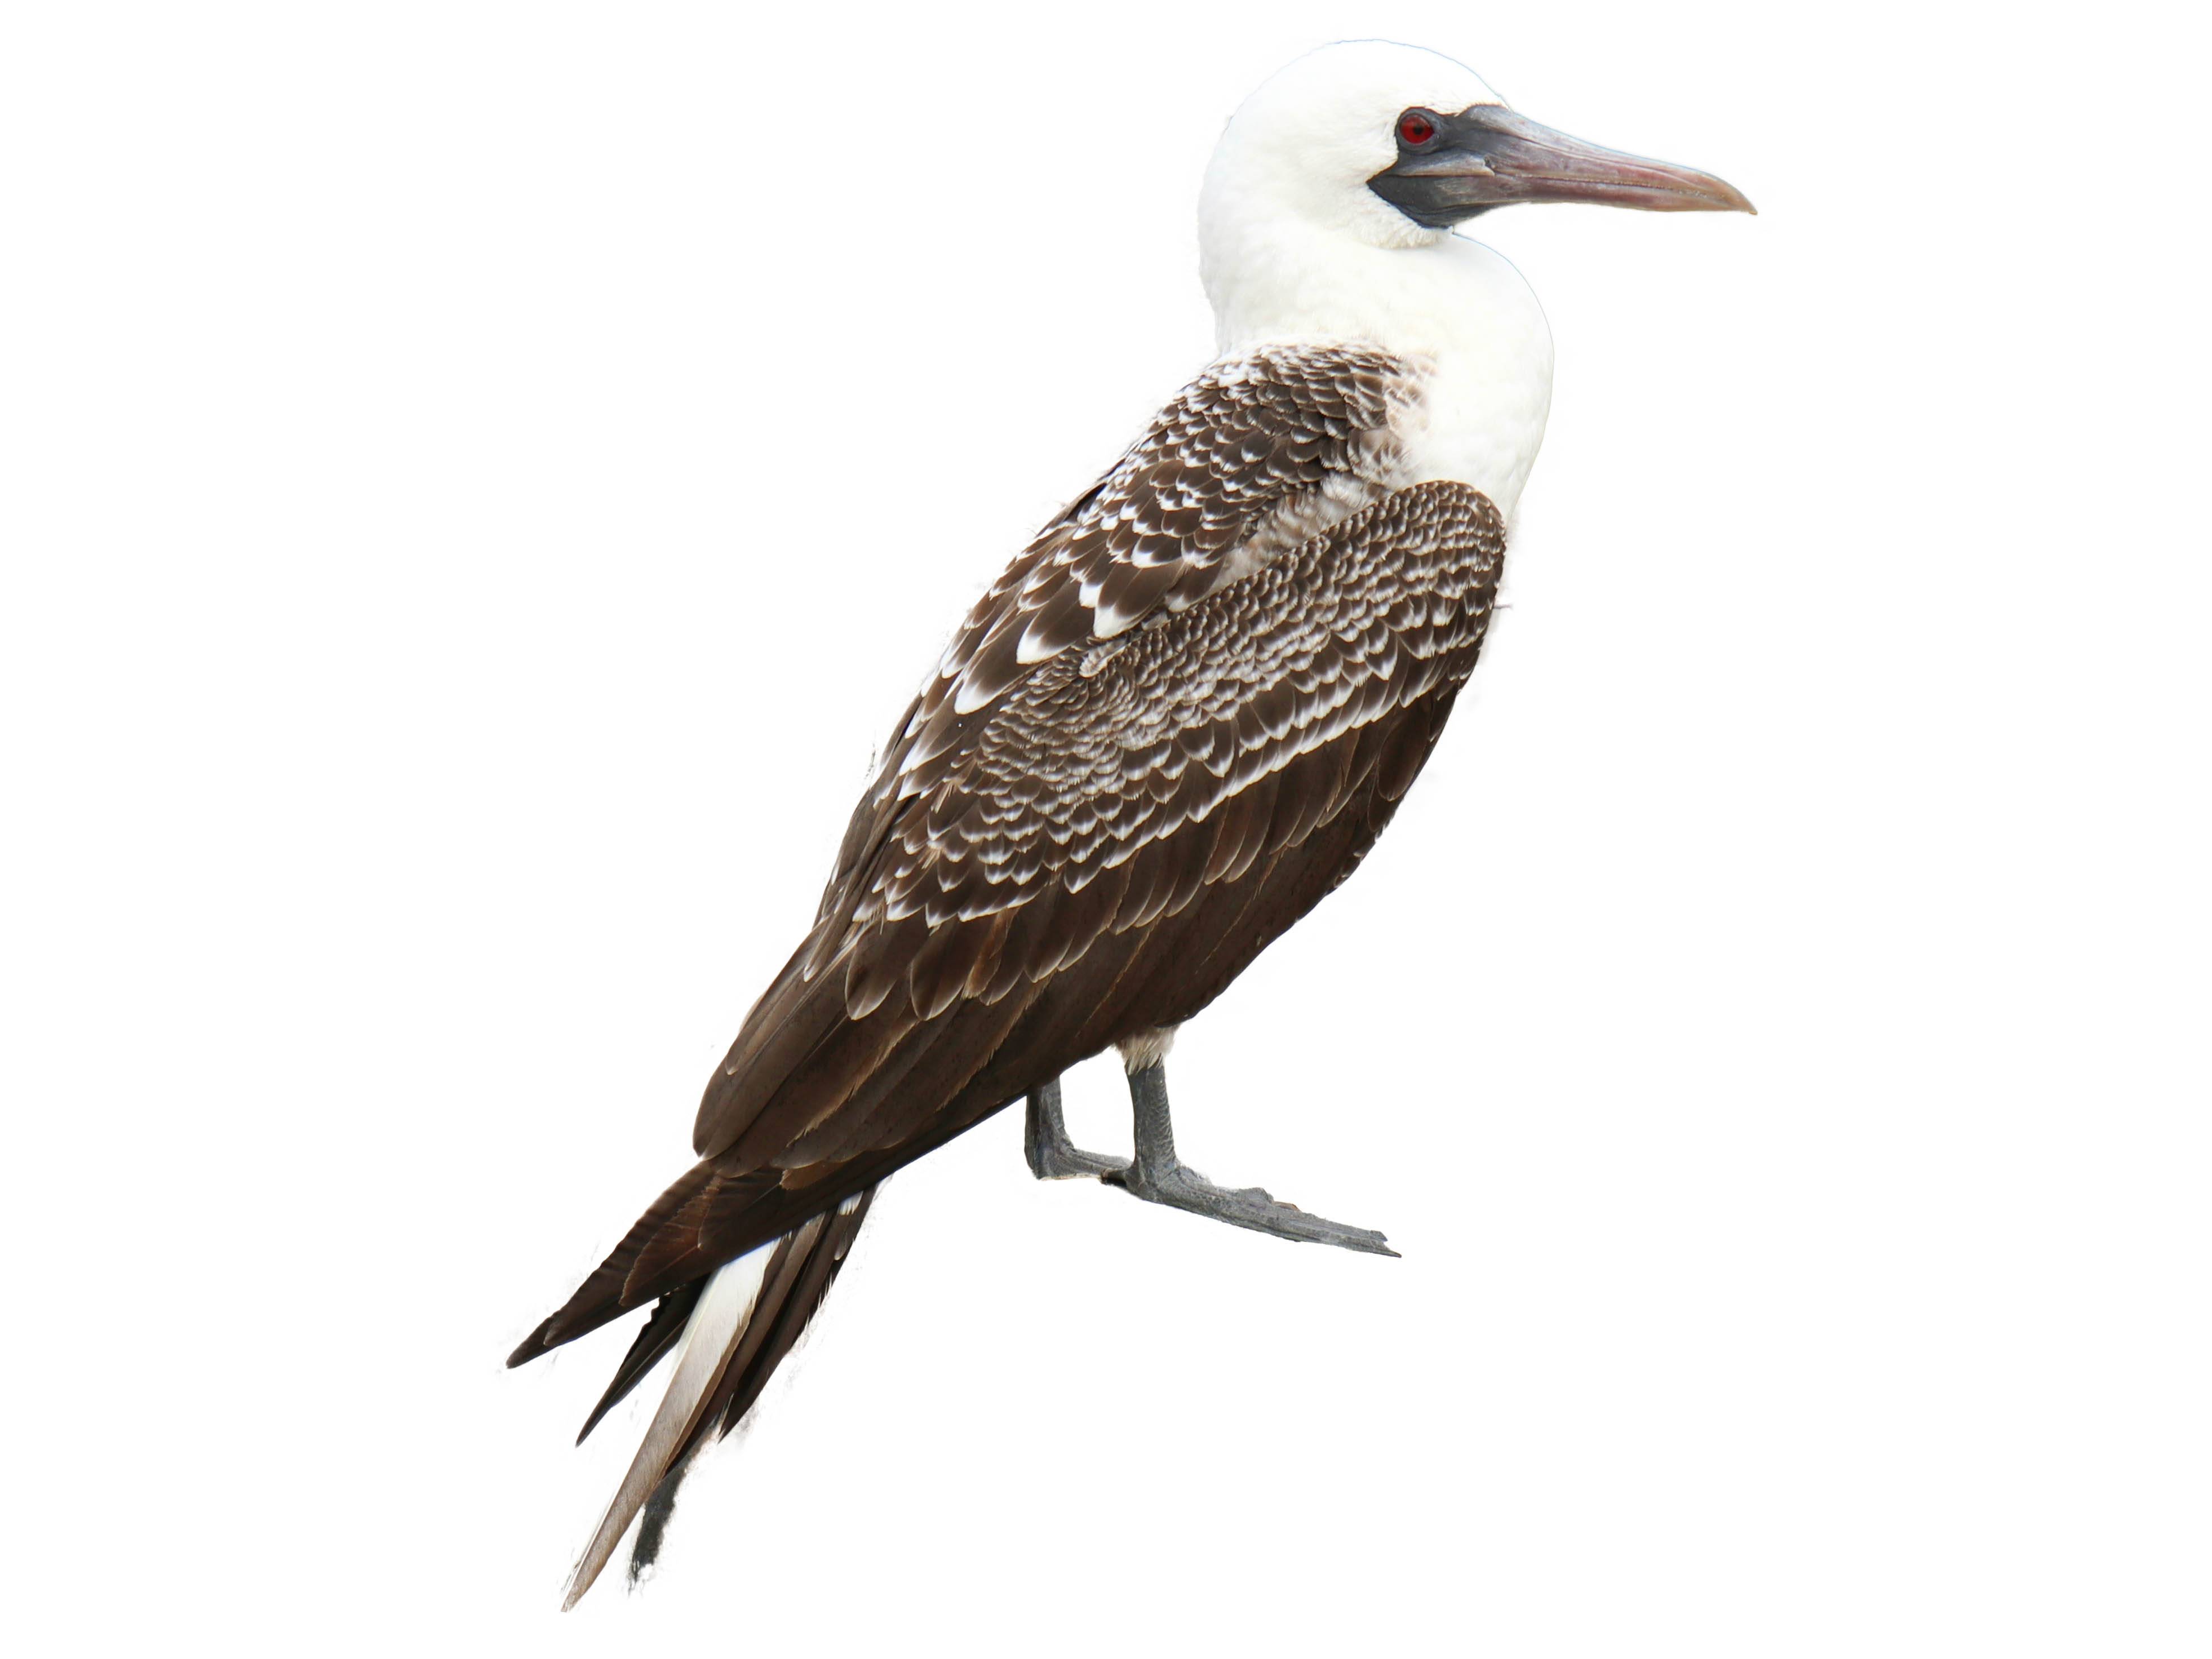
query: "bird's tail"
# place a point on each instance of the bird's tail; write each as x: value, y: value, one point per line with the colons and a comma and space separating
x: 729, y: 1330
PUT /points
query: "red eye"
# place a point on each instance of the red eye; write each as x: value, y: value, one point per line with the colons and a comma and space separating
x: 1415, y: 128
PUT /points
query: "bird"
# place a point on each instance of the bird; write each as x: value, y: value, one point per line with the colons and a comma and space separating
x: 1178, y: 720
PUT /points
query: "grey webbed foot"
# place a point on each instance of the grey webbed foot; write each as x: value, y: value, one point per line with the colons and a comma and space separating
x: 1158, y: 1176
x: 1052, y: 1156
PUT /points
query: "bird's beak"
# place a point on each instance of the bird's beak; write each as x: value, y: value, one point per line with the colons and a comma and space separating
x: 1488, y: 156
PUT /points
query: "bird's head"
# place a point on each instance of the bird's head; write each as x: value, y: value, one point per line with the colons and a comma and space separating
x: 1393, y: 146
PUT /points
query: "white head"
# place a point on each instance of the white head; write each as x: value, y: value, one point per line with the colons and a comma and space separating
x: 1369, y: 146
x: 1305, y: 143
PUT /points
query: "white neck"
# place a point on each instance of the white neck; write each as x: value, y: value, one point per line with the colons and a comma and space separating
x: 1453, y: 307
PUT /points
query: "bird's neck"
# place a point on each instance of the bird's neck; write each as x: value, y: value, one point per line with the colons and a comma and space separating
x: 1457, y: 310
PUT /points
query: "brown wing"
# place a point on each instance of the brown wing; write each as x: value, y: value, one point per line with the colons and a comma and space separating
x: 1256, y: 454
x: 1116, y: 839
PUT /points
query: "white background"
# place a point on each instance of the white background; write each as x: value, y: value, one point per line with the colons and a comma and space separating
x: 480, y: 480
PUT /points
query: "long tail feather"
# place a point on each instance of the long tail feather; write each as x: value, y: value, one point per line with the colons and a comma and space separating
x: 743, y: 1321
x: 788, y: 1306
x: 717, y: 1325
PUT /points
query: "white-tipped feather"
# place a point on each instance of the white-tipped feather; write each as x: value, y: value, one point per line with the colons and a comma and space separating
x: 710, y: 1337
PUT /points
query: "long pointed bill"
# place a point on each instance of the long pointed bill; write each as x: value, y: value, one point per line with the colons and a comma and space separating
x: 1488, y: 156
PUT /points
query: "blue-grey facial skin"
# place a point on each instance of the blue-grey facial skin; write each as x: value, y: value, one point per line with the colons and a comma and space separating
x: 1487, y: 156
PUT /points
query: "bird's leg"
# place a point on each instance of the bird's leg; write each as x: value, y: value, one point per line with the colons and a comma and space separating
x: 1052, y: 1155
x: 1158, y: 1176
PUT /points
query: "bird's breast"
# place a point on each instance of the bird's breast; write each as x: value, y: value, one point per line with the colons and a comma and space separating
x: 1483, y: 356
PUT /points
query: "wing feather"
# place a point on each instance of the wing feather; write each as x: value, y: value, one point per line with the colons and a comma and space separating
x: 1101, y: 843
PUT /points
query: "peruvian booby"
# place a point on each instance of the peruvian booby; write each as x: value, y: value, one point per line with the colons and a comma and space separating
x: 1177, y: 721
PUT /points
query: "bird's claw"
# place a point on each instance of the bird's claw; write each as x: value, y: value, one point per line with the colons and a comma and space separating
x: 1182, y: 1188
